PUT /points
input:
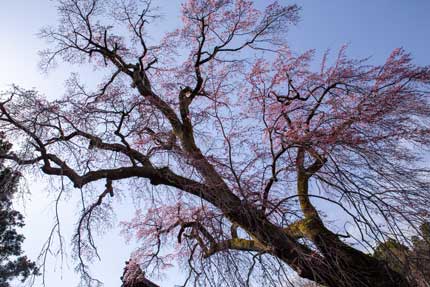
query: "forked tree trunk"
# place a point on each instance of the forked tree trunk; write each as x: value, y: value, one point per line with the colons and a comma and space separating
x: 338, y: 266
x: 335, y: 265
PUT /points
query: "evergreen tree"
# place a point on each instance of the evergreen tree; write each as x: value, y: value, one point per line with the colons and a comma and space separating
x: 12, y: 263
x: 413, y: 262
x: 420, y: 255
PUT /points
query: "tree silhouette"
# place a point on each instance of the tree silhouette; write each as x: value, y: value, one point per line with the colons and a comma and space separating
x: 12, y: 263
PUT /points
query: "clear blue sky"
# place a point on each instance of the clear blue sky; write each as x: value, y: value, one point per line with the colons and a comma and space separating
x: 371, y: 27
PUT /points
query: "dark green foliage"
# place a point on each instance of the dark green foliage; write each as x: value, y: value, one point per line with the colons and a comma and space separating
x: 393, y: 253
x: 12, y: 263
x: 413, y: 262
x: 420, y: 255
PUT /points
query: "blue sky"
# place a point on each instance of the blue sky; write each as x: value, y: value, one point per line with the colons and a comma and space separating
x: 370, y: 27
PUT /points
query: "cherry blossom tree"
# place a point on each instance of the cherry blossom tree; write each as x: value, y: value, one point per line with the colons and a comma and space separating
x: 251, y: 163
x: 133, y: 276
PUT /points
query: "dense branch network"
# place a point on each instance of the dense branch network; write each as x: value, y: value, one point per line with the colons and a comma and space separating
x: 250, y: 142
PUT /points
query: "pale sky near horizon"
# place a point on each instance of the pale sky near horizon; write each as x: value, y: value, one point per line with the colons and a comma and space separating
x: 370, y: 27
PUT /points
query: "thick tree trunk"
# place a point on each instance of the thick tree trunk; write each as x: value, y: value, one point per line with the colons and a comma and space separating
x: 337, y: 266
x: 351, y: 267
